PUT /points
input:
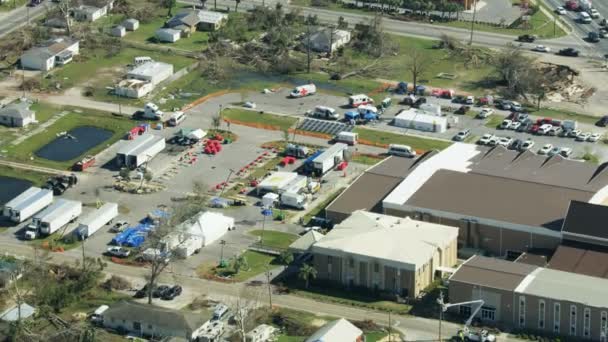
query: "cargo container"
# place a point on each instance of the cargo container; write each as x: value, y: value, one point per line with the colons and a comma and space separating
x: 53, y: 218
x: 329, y: 159
x: 140, y: 150
x: 27, y: 204
x: 95, y: 220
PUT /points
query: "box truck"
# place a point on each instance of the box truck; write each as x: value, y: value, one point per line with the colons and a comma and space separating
x: 53, y: 218
x: 303, y: 90
x: 27, y: 204
x: 95, y: 220
x: 294, y: 200
x: 329, y: 159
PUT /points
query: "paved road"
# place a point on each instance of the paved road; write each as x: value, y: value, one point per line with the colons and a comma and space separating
x: 10, y: 21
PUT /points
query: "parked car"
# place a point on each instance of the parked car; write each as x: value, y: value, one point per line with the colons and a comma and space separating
x: 485, y: 112
x: 544, y: 129
x: 515, y: 125
x: 603, y: 122
x: 485, y: 139
x: 566, y: 152
x: 494, y: 141
x: 568, y: 52
x: 560, y: 10
x: 603, y: 32
x: 470, y: 100
x: 555, y: 130
x: 583, y: 136
x: 143, y: 292
x: 462, y: 135
x: 541, y: 48
x: 505, y: 141
x: 545, y: 149
x: 526, y: 38
x: 459, y: 99
x: 119, y: 226
x: 555, y: 150
x: 525, y: 126
x: 527, y: 145
x: 593, y: 37
x: 462, y: 110
x: 574, y: 133
x: 173, y: 292
x: 594, y: 137
x: 505, y: 124
x: 119, y: 252
x: 516, y: 145
x: 516, y: 106
x: 160, y: 291
x: 594, y: 13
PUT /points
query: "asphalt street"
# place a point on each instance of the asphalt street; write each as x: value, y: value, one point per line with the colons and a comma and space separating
x: 10, y: 21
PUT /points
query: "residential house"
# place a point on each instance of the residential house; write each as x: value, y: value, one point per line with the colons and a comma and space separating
x: 531, y: 298
x: 191, y: 20
x: 52, y: 53
x: 167, y: 35
x: 147, y: 320
x: 328, y: 40
x: 88, y: 13
x: 339, y: 330
x: 17, y: 114
x: 131, y: 24
x: 385, y: 253
x: 152, y: 71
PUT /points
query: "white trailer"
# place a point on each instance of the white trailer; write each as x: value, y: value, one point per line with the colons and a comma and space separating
x: 27, y: 204
x: 294, y: 200
x: 95, y: 220
x: 55, y: 217
x: 190, y: 245
x: 140, y: 150
x: 330, y: 158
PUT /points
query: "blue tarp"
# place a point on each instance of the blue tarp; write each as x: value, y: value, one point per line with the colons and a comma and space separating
x: 420, y: 90
x: 133, y: 236
x: 351, y: 115
x: 401, y: 88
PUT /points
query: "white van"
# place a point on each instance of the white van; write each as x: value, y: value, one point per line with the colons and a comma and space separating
x: 584, y: 18
x: 349, y: 138
x: 304, y: 90
x: 177, y: 118
x: 401, y: 150
x: 325, y: 113
x: 358, y: 100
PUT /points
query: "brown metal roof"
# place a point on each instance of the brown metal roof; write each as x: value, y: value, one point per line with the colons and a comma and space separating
x: 368, y: 191
x: 492, y: 273
x: 532, y: 259
x: 581, y: 261
x: 587, y: 219
x: 530, y: 167
x: 497, y: 198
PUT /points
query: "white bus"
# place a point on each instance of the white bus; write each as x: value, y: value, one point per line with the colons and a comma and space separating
x: 177, y: 118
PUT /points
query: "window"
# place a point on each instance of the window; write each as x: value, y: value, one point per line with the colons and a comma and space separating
x: 329, y: 260
x: 376, y: 267
x: 351, y: 262
x: 556, y: 317
x: 137, y: 326
x: 522, y: 311
x: 150, y: 326
x: 603, y: 326
x: 541, y: 314
x: 465, y: 310
x: 572, y: 320
x: 587, y: 323
x: 488, y: 314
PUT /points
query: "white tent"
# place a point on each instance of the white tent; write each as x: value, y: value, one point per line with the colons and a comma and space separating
x: 209, y: 226
x: 197, y: 134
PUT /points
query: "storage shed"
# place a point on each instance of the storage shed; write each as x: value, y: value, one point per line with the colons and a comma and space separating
x: 421, y: 120
x: 135, y: 152
x: 131, y: 24
x: 151, y: 71
x: 167, y: 35
x: 118, y: 31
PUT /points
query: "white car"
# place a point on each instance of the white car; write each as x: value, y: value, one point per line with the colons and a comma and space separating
x: 528, y: 144
x: 505, y: 124
x: 545, y: 149
x: 594, y: 13
x: 485, y: 139
x: 485, y: 113
x: 470, y: 100
x: 462, y: 135
x: 544, y: 129
x: 505, y: 141
x: 249, y: 104
x: 554, y: 151
x: 574, y: 133
x: 120, y: 252
x: 565, y: 152
x: 594, y: 137
x: 515, y: 125
x: 583, y: 136
x: 493, y: 141
x: 516, y: 106
x: 541, y: 48
x: 560, y: 10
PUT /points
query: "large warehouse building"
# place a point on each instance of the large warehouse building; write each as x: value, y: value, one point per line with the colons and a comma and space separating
x: 526, y: 297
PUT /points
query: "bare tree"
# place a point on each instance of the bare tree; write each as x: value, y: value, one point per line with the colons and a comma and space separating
x: 64, y: 7
x: 242, y: 307
x: 417, y: 64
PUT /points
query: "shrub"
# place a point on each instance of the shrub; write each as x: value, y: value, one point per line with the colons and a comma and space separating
x: 116, y: 283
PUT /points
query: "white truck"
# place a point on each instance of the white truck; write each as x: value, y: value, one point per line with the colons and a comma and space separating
x: 27, y: 204
x: 330, y: 158
x: 294, y: 200
x: 303, y: 90
x: 53, y: 218
x: 190, y: 245
x: 95, y: 220
x: 152, y: 112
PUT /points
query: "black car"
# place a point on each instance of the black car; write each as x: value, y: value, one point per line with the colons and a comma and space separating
x: 459, y: 99
x: 516, y: 145
x: 603, y: 122
x: 526, y: 38
x: 173, y: 292
x: 569, y: 52
x: 593, y: 37
x: 143, y: 292
x: 161, y: 291
x: 462, y: 110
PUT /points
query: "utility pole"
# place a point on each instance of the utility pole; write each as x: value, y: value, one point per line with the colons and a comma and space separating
x: 222, y: 244
x: 268, y: 274
x: 390, y: 328
x: 308, y: 57
x: 227, y: 180
x: 440, y: 302
x: 554, y: 25
x: 473, y: 21
x: 84, y: 268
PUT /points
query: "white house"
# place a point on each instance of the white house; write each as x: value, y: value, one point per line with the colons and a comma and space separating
x: 133, y: 88
x: 151, y: 71
x: 89, y: 13
x: 167, y: 35
x: 421, y: 120
x: 17, y: 115
x: 321, y: 40
x: 52, y: 53
x: 192, y: 20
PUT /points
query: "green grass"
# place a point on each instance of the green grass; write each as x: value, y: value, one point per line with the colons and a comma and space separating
x: 275, y: 239
x: 253, y: 117
x: 494, y: 120
x: 417, y: 143
x: 257, y: 263
x: 92, y: 299
x: 375, y: 336
x: 564, y: 115
x: 366, y: 160
x: 56, y: 240
x: 24, y: 152
x: 44, y: 111
x: 321, y: 206
x: 11, y: 5
x: 37, y: 178
x: 146, y: 33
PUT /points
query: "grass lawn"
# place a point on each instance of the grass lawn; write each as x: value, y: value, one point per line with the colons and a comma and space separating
x: 56, y: 241
x: 321, y: 206
x: 24, y: 152
x: 145, y: 34
x: 385, y: 138
x: 494, y: 120
x: 275, y: 239
x: 37, y: 179
x: 92, y: 299
x: 257, y: 263
x: 366, y: 159
x: 11, y: 5
x: 44, y: 111
x: 256, y: 118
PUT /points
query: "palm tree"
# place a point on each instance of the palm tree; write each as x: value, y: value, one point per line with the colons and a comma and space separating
x: 286, y: 258
x: 307, y: 272
x: 236, y: 5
